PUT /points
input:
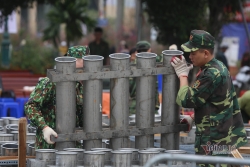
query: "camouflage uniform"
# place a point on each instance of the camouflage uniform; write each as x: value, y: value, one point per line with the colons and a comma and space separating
x: 41, y: 107
x: 217, y: 114
x: 141, y: 46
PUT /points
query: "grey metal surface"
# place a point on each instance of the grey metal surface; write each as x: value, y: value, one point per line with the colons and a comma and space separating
x: 92, y: 105
x: 145, y: 99
x: 31, y: 149
x: 11, y: 127
x: 196, y: 158
x: 31, y: 129
x: 162, y: 150
x: 133, y: 72
x: 6, y: 120
x: 39, y: 163
x: 6, y: 137
x: 145, y: 155
x: 78, y: 150
x: 119, y: 99
x: 45, y: 154
x: 30, y: 136
x: 9, y: 149
x: 66, y: 101
x: 66, y: 159
x: 15, y: 133
x: 14, y: 121
x: 1, y: 122
x: 107, y: 151
x: 121, y: 158
x: 131, y: 131
x: 176, y: 162
x: 93, y: 159
x: 170, y: 110
x: 135, y: 156
x: 8, y: 162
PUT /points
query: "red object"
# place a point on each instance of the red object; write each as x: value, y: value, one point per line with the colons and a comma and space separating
x: 176, y: 56
x: 189, y: 112
x: 242, y: 92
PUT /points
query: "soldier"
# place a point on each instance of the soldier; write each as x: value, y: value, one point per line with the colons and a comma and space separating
x: 219, y: 126
x: 41, y: 107
x: 245, y: 106
x: 99, y: 46
x: 141, y: 46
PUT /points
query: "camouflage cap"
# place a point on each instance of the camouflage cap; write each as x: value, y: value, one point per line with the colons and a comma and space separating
x: 199, y: 39
x: 143, y: 45
x: 78, y: 51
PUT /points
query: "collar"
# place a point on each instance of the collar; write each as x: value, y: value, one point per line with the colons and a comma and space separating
x: 208, y: 64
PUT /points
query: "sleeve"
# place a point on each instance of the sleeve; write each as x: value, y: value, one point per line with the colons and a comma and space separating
x: 36, y: 101
x: 196, y: 96
x: 132, y: 88
x: 159, y: 58
x: 244, y: 100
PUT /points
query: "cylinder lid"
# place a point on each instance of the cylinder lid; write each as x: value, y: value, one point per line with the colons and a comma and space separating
x: 172, y: 52
x: 93, y: 58
x: 66, y: 153
x: 94, y: 152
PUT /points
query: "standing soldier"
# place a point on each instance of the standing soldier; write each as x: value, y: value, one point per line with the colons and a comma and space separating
x: 217, y: 114
x: 142, y: 46
x: 41, y: 107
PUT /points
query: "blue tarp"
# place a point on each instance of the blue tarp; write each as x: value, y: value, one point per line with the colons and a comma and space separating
x: 237, y: 30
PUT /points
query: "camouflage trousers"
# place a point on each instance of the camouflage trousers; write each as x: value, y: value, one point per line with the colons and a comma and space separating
x: 201, y: 149
x: 42, y: 144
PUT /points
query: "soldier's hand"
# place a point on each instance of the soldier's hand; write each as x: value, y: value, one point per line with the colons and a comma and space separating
x: 187, y: 119
x: 47, y: 132
x: 180, y: 66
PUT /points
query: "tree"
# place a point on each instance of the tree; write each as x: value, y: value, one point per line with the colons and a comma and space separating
x: 221, y: 12
x: 72, y: 14
x: 7, y: 6
x: 175, y: 19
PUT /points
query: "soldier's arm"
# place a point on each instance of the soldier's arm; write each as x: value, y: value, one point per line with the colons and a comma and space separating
x: 196, y: 96
x: 244, y: 100
x: 35, y: 103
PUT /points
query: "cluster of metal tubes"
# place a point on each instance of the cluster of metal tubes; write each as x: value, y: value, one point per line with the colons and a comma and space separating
x: 119, y: 111
x: 97, y: 157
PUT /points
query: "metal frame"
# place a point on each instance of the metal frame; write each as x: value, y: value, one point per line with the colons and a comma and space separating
x: 8, y: 162
x: 119, y: 71
x: 131, y: 131
x: 196, y: 158
x: 81, y: 75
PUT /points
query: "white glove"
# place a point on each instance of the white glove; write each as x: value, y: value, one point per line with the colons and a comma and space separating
x: 180, y: 66
x: 187, y: 119
x: 47, y: 132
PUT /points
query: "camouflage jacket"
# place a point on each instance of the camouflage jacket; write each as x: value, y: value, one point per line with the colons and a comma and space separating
x: 41, y: 109
x: 217, y: 115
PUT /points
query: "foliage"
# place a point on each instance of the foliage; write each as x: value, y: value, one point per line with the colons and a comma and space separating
x: 7, y: 6
x: 221, y: 12
x: 175, y: 19
x: 34, y: 57
x: 72, y: 14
